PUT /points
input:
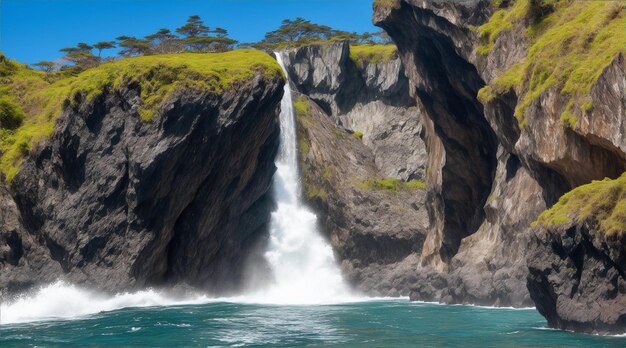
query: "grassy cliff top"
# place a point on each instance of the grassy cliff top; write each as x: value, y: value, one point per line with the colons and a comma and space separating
x: 376, y: 53
x: 30, y: 101
x: 603, y: 202
x: 569, y: 49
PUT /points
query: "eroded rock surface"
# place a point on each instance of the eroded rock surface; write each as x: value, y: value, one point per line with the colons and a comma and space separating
x: 577, y: 279
x: 115, y: 203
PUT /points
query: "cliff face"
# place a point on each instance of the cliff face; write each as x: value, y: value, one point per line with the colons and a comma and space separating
x: 114, y: 202
x: 362, y: 159
x: 549, y: 119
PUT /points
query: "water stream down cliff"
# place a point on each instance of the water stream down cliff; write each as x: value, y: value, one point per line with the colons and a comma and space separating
x: 302, y: 262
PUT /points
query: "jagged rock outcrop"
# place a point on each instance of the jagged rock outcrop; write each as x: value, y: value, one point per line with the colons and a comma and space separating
x: 371, y: 98
x: 549, y: 139
x: 577, y: 278
x: 376, y: 231
x: 114, y: 202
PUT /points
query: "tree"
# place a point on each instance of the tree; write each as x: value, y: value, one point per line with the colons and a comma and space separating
x: 83, y: 47
x: 131, y: 46
x: 220, y: 32
x: 298, y: 32
x: 45, y: 65
x: 69, y: 50
x: 208, y: 43
x: 164, y: 41
x: 162, y: 34
x: 80, y: 55
x: 193, y: 28
x: 82, y: 59
x: 103, y: 45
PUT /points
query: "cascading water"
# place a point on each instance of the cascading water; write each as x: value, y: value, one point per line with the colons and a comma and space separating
x: 303, y: 263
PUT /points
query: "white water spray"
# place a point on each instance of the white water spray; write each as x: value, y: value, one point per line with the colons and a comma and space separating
x: 303, y: 263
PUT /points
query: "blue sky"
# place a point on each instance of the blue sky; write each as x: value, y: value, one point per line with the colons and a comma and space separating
x: 34, y: 30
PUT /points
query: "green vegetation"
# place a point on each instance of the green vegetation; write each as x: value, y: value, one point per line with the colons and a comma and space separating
x: 569, y: 49
x: 313, y: 192
x: 304, y: 117
x: 11, y: 114
x: 372, y: 53
x: 568, y: 118
x: 29, y: 97
x: 391, y: 184
x: 600, y: 202
x: 302, y: 107
x: 386, y: 4
x: 358, y: 134
x: 301, y: 32
x: 500, y: 21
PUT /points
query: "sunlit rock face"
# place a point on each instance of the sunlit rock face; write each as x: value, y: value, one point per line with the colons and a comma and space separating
x: 115, y: 203
x: 494, y: 167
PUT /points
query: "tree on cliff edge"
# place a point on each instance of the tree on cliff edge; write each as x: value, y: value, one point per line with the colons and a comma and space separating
x: 193, y: 28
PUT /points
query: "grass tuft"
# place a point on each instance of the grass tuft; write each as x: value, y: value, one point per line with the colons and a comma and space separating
x: 569, y: 50
x: 372, y: 53
x: 391, y: 184
x: 601, y: 202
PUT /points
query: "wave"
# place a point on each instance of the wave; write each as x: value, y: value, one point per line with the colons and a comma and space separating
x: 66, y: 301
x: 473, y: 306
x: 63, y: 301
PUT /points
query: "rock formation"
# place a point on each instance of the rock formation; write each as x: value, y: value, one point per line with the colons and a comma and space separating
x: 114, y: 202
x: 549, y: 119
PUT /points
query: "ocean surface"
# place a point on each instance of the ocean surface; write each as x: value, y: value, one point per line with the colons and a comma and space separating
x: 375, y: 323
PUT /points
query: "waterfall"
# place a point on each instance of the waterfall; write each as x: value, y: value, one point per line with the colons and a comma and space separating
x: 302, y: 262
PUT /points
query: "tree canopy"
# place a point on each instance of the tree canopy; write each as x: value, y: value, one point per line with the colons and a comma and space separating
x: 193, y: 28
x: 300, y: 32
x: 195, y: 36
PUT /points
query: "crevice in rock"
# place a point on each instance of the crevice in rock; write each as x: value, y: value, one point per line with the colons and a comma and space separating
x: 447, y: 85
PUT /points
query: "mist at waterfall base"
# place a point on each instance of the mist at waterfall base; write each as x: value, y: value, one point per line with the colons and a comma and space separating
x: 306, y: 303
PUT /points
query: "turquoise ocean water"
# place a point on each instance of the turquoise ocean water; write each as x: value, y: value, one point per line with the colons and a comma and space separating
x: 385, y: 323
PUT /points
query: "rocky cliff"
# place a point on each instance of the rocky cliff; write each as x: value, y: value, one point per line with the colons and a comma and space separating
x: 115, y: 201
x: 362, y: 160
x: 522, y: 101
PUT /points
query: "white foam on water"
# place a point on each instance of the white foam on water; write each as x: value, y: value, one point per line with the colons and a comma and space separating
x: 66, y: 301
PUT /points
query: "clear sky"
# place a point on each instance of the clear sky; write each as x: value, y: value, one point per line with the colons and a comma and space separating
x: 34, y: 30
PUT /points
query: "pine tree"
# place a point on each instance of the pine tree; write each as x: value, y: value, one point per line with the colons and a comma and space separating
x: 103, y: 45
x: 45, y: 65
x: 193, y: 28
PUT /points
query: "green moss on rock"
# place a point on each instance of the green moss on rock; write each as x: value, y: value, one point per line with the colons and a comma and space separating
x: 602, y: 203
x: 391, y: 184
x: 158, y: 77
x: 11, y: 114
x: 569, y: 49
x: 372, y: 53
